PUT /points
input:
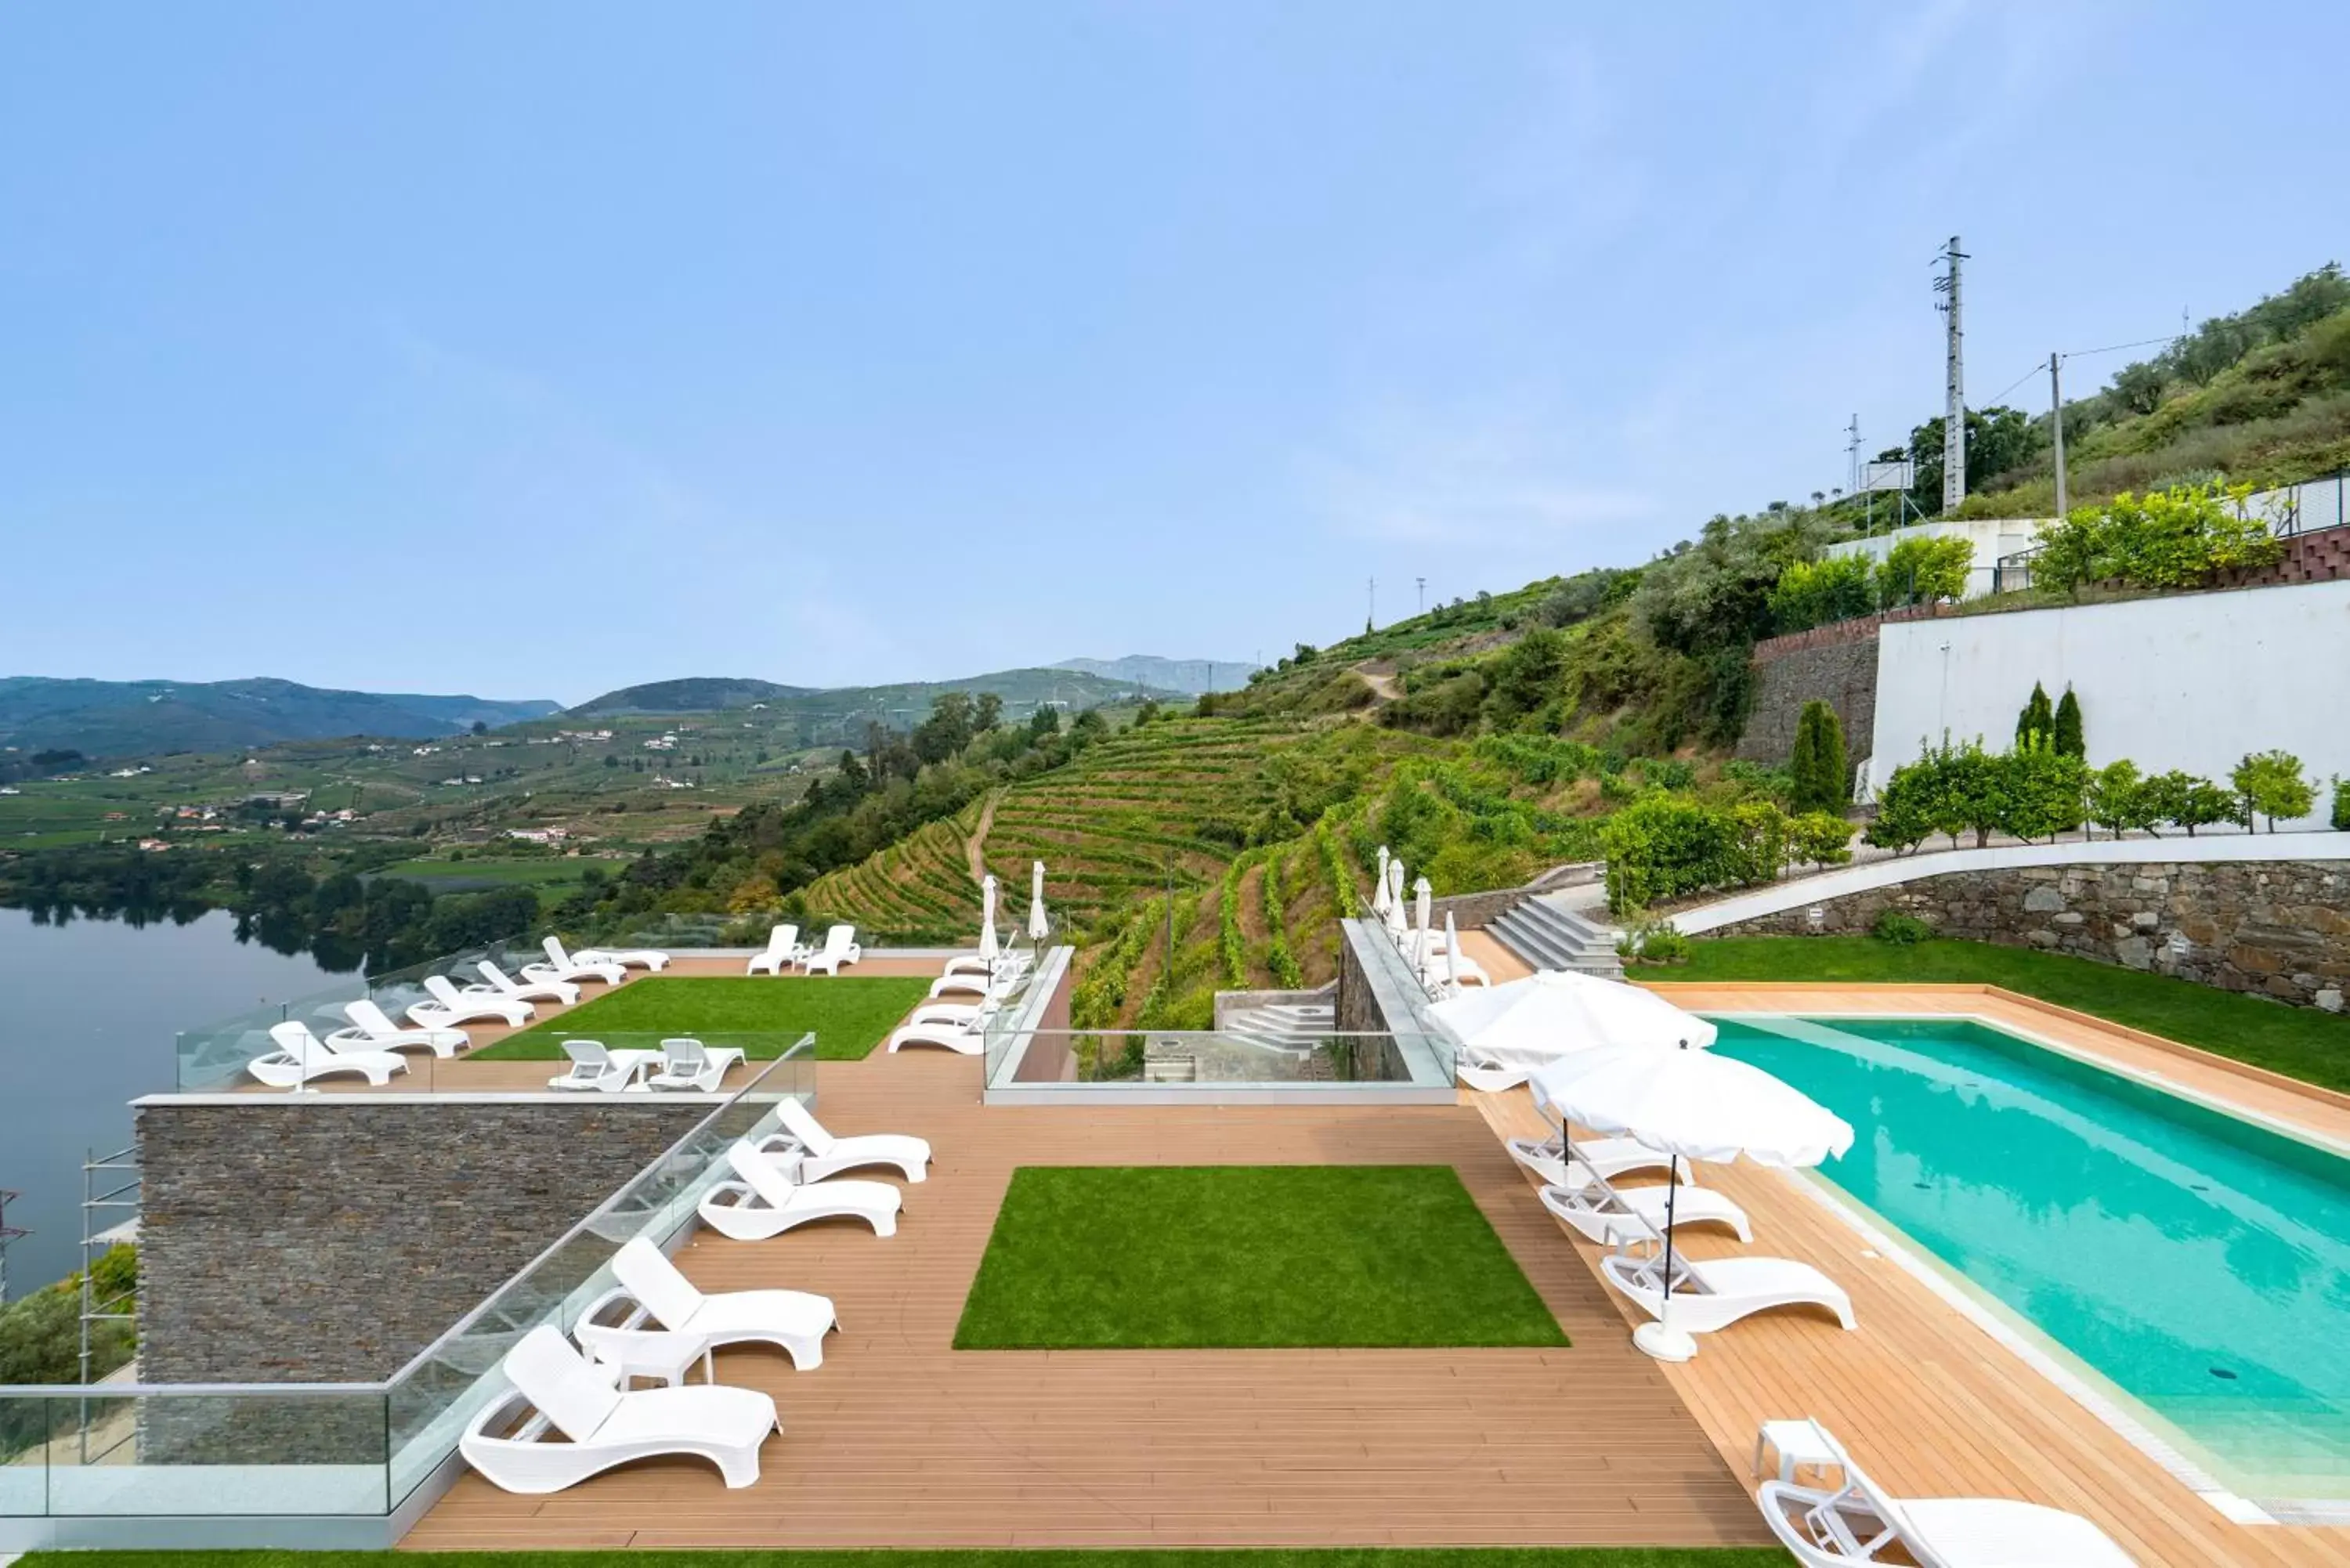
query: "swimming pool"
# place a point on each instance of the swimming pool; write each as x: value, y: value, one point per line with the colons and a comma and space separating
x: 2196, y: 1263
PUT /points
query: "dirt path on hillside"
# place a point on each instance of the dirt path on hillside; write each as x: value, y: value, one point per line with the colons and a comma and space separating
x: 1381, y: 677
x: 974, y: 849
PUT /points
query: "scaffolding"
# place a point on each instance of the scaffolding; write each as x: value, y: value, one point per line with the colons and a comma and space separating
x: 109, y: 1187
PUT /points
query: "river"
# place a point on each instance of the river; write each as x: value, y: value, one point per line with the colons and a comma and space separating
x: 87, y: 1013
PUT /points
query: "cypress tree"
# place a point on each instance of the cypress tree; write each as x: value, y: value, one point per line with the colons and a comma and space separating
x: 2037, y: 718
x: 2070, y: 741
x: 1818, y: 764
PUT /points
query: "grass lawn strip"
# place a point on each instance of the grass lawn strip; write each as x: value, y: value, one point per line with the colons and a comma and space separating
x: 1225, y: 1257
x: 2299, y: 1042
x: 850, y: 1015
x: 1363, y: 1557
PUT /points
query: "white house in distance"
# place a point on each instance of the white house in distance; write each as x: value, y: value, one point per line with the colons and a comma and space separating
x: 1992, y: 539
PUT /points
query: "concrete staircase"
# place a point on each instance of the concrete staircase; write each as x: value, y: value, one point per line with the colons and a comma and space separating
x: 1552, y: 931
x: 1293, y: 1027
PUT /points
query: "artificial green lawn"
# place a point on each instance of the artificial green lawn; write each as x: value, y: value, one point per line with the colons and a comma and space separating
x: 1362, y: 1557
x: 1162, y: 1257
x: 764, y: 1013
x: 2300, y: 1042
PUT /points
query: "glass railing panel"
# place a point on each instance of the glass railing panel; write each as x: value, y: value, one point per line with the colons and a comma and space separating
x: 1225, y: 1059
x: 144, y: 1452
x: 23, y: 1457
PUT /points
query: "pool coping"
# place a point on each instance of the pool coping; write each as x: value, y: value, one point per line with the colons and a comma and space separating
x: 2111, y: 1405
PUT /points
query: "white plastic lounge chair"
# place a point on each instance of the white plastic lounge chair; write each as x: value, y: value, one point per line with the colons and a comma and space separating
x: 603, y: 1426
x: 506, y: 985
x: 1609, y: 1156
x: 301, y: 1057
x: 475, y: 1004
x: 371, y: 1030
x: 840, y: 947
x: 960, y: 1029
x: 1597, y: 1211
x: 606, y: 1072
x: 1858, y: 1522
x: 666, y: 1302
x: 972, y: 963
x: 689, y: 1064
x: 783, y: 951
x: 1718, y: 1292
x: 562, y: 966
x: 827, y: 1155
x: 986, y: 987
x: 765, y: 1202
x: 1480, y: 1071
x: 651, y: 959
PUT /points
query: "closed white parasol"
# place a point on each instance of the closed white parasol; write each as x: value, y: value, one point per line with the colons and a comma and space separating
x: 1696, y: 1105
x: 987, y: 948
x: 1040, y: 925
x: 1379, y: 886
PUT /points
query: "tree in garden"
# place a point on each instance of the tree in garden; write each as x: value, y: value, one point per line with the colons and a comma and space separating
x: 2341, y: 818
x: 1968, y: 793
x: 2176, y: 538
x: 1815, y: 593
x: 1924, y: 571
x: 2189, y: 802
x: 2069, y: 738
x: 1819, y: 838
x: 2037, y: 790
x: 1902, y: 820
x: 2037, y: 717
x: 1818, y: 764
x: 2120, y: 801
x: 2272, y: 784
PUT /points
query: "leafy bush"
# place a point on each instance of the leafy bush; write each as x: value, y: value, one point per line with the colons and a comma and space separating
x: 2070, y: 738
x: 1654, y: 942
x: 1818, y: 593
x: 2037, y: 718
x: 1819, y: 838
x: 2181, y: 537
x: 2119, y: 800
x: 1818, y: 765
x: 2185, y: 801
x: 2272, y: 784
x: 1900, y: 927
x: 2038, y: 790
x: 1665, y: 845
x: 2341, y: 818
x: 1923, y: 571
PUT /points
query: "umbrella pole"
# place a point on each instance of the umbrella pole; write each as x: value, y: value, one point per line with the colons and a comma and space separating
x: 1659, y: 1338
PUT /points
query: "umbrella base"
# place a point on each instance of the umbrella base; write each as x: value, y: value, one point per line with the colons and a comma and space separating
x: 1664, y: 1342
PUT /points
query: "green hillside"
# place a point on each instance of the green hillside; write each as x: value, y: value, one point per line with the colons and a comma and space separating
x: 139, y: 718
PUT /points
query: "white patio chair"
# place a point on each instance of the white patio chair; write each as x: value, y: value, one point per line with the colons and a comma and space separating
x: 506, y: 985
x: 840, y: 947
x: 561, y: 966
x: 782, y: 951
x: 765, y: 1202
x: 371, y: 1030
x: 666, y: 1302
x: 602, y: 1427
x: 1859, y: 1521
x: 1598, y: 1212
x: 301, y: 1057
x: 449, y: 1006
x: 1712, y: 1294
x: 651, y: 959
x: 687, y: 1064
x: 604, y: 1072
x: 825, y: 1154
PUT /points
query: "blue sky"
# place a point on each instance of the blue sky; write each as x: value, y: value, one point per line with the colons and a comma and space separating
x: 534, y: 350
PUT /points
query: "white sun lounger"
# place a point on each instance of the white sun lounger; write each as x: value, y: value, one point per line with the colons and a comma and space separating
x: 371, y: 1030
x: 960, y: 1029
x: 1480, y: 1072
x: 782, y: 951
x: 1715, y: 1293
x: 562, y: 966
x: 604, y: 1427
x: 301, y: 1057
x: 1856, y: 1523
x: 828, y: 1155
x: 1599, y: 1212
x: 605, y: 1071
x: 651, y: 959
x: 665, y: 1302
x: 1609, y: 1156
x: 765, y: 1202
x: 1001, y: 963
x: 688, y: 1063
x: 475, y: 1004
x: 840, y: 947
x: 986, y: 987
x: 506, y: 985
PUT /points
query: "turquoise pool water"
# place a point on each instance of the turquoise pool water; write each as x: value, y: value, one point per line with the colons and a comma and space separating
x: 2198, y: 1262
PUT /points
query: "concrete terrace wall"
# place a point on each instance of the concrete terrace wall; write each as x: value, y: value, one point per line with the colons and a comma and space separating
x: 2192, y: 681
x: 2246, y: 913
x: 330, y: 1239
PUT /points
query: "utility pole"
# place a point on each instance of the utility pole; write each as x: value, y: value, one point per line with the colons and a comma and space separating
x: 1371, y: 609
x: 1422, y: 583
x: 1954, y: 400
x: 1852, y: 456
x: 2056, y: 423
x: 7, y: 1233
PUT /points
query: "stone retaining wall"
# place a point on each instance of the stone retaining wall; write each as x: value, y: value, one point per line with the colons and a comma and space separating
x: 2280, y: 929
x: 1842, y: 674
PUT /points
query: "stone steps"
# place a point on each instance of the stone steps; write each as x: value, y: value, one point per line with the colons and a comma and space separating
x: 1549, y: 932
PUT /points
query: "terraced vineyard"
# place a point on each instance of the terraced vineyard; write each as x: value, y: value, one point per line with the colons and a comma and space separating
x: 917, y: 889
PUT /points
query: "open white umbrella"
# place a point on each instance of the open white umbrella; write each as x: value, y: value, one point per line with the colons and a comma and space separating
x: 1698, y: 1106
x: 1379, y: 886
x: 1040, y: 926
x: 1548, y: 1015
x: 987, y: 948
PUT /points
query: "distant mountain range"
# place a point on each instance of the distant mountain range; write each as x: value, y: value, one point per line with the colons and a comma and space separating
x: 836, y: 710
x: 1189, y: 676
x: 131, y: 717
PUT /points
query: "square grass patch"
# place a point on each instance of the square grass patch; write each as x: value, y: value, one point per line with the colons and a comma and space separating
x: 766, y: 1015
x: 1233, y: 1257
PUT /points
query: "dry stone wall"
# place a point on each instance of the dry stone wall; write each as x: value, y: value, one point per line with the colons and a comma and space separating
x: 1842, y: 674
x: 2278, y: 927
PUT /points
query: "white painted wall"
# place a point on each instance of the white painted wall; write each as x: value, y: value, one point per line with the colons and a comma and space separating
x: 1991, y: 538
x: 2191, y: 682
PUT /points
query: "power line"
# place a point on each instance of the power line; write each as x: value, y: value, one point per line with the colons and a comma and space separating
x: 2117, y: 348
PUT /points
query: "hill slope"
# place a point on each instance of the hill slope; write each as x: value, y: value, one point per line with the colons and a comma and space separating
x: 838, y: 715
x: 1189, y: 676
x: 125, y: 718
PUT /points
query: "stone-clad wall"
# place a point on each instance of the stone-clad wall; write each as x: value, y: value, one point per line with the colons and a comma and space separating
x: 329, y: 1240
x: 1842, y: 674
x: 2278, y: 928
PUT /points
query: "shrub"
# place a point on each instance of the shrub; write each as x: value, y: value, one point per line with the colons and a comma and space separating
x: 1819, y: 838
x: 2341, y: 818
x: 2178, y: 537
x: 1902, y: 820
x: 1900, y: 927
x: 1655, y: 942
x: 1761, y: 840
x: 2120, y: 801
x: 2070, y: 739
x: 1816, y: 593
x: 2186, y: 801
x: 1664, y: 846
x: 1817, y: 768
x: 1923, y: 571
x: 2037, y: 717
x: 2038, y: 791
x: 2270, y: 784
